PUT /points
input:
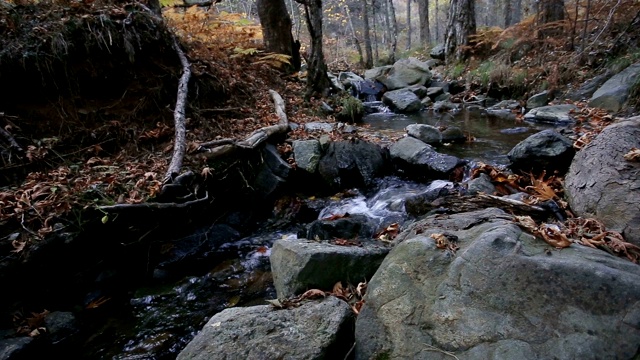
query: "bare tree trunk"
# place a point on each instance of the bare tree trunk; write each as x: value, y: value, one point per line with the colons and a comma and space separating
x: 508, y: 21
x: 460, y: 24
x: 423, y: 13
x: 437, y: 21
x: 367, y: 35
x: 276, y: 30
x: 375, y: 32
x: 318, y: 83
x: 355, y: 37
x: 408, y: 25
x: 584, y: 28
x: 517, y: 11
x: 550, y: 11
x: 394, y: 32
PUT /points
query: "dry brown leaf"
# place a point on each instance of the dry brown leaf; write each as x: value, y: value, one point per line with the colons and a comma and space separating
x: 313, y: 294
x: 553, y: 236
x: 632, y: 155
x: 441, y: 240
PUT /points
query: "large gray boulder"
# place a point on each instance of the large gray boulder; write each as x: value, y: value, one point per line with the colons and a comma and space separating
x: 420, y: 160
x: 348, y: 164
x: 502, y: 295
x: 555, y: 114
x: 546, y: 150
x: 613, y: 94
x: 589, y: 87
x: 602, y: 184
x: 315, y: 330
x: 403, y: 73
x: 426, y: 133
x: 299, y: 264
x: 538, y: 100
x: 437, y: 52
x: 402, y: 101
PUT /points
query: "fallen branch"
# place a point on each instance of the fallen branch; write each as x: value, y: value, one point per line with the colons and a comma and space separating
x: 226, y: 146
x: 120, y: 208
x: 456, y: 203
x: 179, y: 141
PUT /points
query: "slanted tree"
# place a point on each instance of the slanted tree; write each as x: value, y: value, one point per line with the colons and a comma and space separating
x: 423, y: 14
x: 276, y: 30
x: 461, y: 23
x: 317, y: 80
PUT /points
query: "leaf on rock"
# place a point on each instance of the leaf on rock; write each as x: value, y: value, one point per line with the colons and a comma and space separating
x: 632, y: 155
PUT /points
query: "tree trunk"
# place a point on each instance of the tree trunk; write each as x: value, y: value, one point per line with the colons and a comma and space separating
x: 276, y: 30
x: 367, y: 35
x: 393, y: 31
x: 517, y: 11
x: 355, y: 37
x: 460, y: 24
x: 550, y: 11
x: 423, y: 13
x: 408, y: 24
x: 437, y: 21
x: 376, y: 59
x: 318, y: 83
x: 508, y: 19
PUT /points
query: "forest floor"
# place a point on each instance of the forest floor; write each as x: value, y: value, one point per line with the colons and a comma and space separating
x: 88, y: 118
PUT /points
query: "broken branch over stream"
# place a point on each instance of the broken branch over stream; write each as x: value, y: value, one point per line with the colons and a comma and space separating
x: 227, y: 146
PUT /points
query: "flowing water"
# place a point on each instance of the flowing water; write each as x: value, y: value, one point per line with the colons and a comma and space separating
x: 162, y: 318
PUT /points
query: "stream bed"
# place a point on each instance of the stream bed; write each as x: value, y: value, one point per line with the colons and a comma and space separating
x: 160, y: 318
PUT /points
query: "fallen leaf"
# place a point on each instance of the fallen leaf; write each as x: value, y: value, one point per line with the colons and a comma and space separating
x: 632, y: 155
x: 313, y: 294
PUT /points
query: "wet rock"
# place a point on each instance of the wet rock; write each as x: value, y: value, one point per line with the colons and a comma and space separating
x: 434, y: 92
x: 275, y: 162
x: 546, y: 150
x: 437, y: 52
x: 348, y: 164
x: 348, y: 78
x: 502, y: 292
x: 266, y: 183
x: 307, y: 154
x: 316, y: 330
x: 419, y: 90
x: 426, y: 133
x: 453, y: 134
x: 586, y: 90
x: 501, y: 114
x: 319, y: 126
x: 367, y: 90
x: 481, y: 184
x: 299, y: 264
x: 60, y: 326
x: 402, y: 101
x: 420, y: 204
x: 515, y: 130
x: 349, y: 227
x: 442, y: 97
x: 538, y: 100
x: 505, y: 104
x: 613, y: 94
x: 15, y: 348
x: 555, y: 114
x: 602, y: 184
x: 420, y: 160
x: 445, y: 106
x: 432, y: 63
